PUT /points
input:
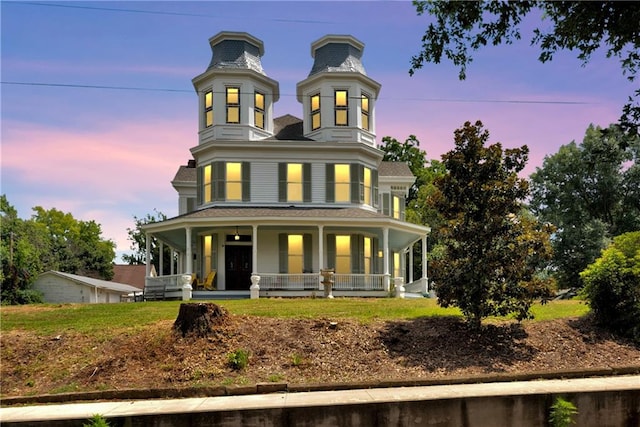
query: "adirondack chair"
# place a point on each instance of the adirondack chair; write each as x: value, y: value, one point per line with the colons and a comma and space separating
x: 208, y: 281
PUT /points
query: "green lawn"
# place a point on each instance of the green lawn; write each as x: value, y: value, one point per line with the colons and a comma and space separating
x: 100, y: 318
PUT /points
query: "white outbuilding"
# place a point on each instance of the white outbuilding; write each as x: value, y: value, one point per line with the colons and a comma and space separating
x: 58, y: 287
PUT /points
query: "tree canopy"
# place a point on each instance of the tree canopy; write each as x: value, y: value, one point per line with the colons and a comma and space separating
x: 138, y: 239
x: 461, y: 27
x: 49, y: 240
x: 590, y: 192
x: 491, y: 251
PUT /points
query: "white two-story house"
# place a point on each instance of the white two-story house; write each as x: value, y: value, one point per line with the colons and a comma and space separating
x: 273, y: 201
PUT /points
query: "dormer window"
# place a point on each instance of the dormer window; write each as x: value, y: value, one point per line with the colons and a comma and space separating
x: 233, y: 105
x: 315, y: 111
x: 364, y: 111
x: 208, y: 108
x: 342, y: 107
x: 258, y: 110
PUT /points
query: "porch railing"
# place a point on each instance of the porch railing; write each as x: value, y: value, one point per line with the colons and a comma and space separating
x: 311, y: 281
x: 358, y: 282
x: 170, y: 282
x: 289, y: 282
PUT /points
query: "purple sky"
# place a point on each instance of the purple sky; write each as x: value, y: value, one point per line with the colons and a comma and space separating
x: 107, y: 155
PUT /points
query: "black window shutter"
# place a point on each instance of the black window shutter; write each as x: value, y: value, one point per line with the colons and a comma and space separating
x: 331, y: 184
x: 306, y: 182
x: 374, y: 183
x: 307, y: 251
x: 218, y: 185
x: 246, y: 181
x: 386, y: 203
x: 200, y: 185
x: 331, y: 251
x: 282, y: 182
x: 355, y: 182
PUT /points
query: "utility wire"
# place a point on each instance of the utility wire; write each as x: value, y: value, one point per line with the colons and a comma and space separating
x: 133, y: 88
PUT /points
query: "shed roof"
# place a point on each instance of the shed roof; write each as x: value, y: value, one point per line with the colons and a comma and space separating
x: 95, y: 283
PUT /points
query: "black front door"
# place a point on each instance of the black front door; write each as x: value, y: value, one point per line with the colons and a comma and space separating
x: 238, y: 267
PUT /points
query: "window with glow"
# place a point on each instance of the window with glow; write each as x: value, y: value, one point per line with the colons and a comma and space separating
x: 367, y: 255
x: 233, y: 105
x: 234, y: 181
x: 208, y: 108
x: 343, y: 254
x: 367, y: 186
x: 364, y: 108
x: 342, y: 107
x: 294, y: 182
x: 259, y: 110
x: 207, y: 251
x: 315, y: 111
x: 206, y: 184
x: 396, y: 207
x: 343, y: 183
x: 295, y: 254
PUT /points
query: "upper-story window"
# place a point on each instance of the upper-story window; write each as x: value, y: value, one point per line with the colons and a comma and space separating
x: 233, y: 104
x: 294, y: 182
x: 342, y: 107
x: 208, y: 108
x: 234, y: 181
x: 206, y: 184
x: 224, y: 181
x: 258, y: 110
x: 396, y: 207
x: 342, y: 183
x: 367, y: 183
x: 315, y: 111
x: 364, y: 111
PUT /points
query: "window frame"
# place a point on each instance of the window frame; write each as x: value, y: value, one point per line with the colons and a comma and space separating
x: 208, y: 108
x: 341, y: 108
x: 231, y: 105
x: 259, y: 111
x: 365, y: 114
x: 315, y: 112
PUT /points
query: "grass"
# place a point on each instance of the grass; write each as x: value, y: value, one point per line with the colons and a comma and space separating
x: 97, y: 319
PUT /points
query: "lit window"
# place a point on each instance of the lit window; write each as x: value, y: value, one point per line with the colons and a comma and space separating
x: 206, y: 250
x: 259, y: 110
x: 396, y: 207
x: 294, y: 182
x: 233, y: 105
x: 208, y: 108
x: 206, y: 184
x: 343, y: 254
x: 367, y: 255
x: 234, y: 181
x: 295, y: 257
x: 367, y: 186
x: 397, y: 270
x: 315, y: 111
x: 343, y: 183
x: 342, y: 107
x: 364, y: 108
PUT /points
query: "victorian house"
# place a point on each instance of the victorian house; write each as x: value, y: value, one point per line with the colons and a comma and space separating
x: 269, y: 203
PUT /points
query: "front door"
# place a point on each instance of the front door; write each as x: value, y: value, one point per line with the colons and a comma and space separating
x: 238, y: 267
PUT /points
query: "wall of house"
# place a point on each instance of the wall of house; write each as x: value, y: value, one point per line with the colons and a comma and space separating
x: 61, y: 290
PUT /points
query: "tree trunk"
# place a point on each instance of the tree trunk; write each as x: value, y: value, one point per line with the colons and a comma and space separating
x: 199, y: 319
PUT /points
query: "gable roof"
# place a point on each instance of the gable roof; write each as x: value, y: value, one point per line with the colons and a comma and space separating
x: 133, y: 275
x: 394, y: 169
x: 288, y: 128
x: 94, y: 283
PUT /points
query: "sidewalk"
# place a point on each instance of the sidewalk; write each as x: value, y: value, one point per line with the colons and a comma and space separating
x: 83, y: 411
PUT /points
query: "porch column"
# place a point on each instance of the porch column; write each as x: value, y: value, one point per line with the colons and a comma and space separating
x: 425, y: 278
x: 320, y: 255
x: 411, y: 263
x: 171, y: 267
x: 254, y: 261
x: 161, y: 258
x: 189, y: 261
x: 147, y: 256
x: 385, y: 259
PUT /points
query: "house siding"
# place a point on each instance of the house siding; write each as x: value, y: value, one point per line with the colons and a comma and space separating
x: 264, y: 182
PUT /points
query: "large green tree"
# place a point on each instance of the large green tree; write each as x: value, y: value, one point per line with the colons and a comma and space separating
x: 590, y: 192
x: 138, y: 239
x: 462, y: 27
x: 491, y: 252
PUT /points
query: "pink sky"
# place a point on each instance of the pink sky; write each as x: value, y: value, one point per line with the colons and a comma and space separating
x: 107, y: 155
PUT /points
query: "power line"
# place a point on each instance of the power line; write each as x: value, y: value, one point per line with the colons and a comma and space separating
x: 160, y: 12
x: 133, y: 88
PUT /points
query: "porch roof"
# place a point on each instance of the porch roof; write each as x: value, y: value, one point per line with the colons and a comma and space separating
x: 171, y: 231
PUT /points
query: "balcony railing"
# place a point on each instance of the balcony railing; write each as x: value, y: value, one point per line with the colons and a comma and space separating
x: 358, y: 282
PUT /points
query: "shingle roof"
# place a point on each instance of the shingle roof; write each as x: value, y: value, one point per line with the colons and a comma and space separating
x: 335, y: 53
x: 236, y: 51
x: 394, y: 169
x: 185, y: 174
x: 284, y: 212
x: 133, y: 275
x: 288, y: 128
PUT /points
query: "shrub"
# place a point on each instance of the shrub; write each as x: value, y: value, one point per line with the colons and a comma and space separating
x: 562, y: 412
x: 238, y: 359
x: 96, y: 421
x: 612, y: 286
